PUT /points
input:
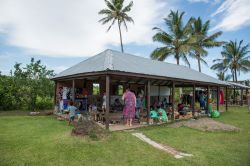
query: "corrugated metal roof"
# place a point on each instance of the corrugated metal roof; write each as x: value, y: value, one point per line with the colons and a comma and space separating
x: 117, y: 61
x: 233, y: 84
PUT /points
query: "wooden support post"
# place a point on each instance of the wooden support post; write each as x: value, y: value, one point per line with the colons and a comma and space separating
x: 226, y: 99
x: 73, y: 92
x: 148, y: 101
x: 218, y: 98
x: 193, y: 104
x: 208, y: 95
x: 241, y: 97
x: 173, y: 104
x: 107, y: 101
x: 159, y: 93
x: 55, y: 93
x: 234, y: 100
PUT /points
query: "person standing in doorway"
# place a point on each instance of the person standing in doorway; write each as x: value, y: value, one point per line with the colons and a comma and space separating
x: 248, y: 101
x: 129, y: 106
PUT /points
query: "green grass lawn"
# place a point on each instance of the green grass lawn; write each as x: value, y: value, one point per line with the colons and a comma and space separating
x: 42, y: 140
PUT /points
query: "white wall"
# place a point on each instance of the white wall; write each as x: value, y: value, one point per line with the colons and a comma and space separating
x: 164, y: 91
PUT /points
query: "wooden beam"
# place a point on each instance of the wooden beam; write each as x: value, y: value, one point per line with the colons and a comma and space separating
x: 107, y: 101
x: 73, y: 92
x: 148, y: 101
x: 226, y: 97
x: 173, y: 104
x: 218, y: 98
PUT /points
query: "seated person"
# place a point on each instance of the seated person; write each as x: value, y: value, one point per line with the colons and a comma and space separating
x: 170, y: 112
x: 162, y: 115
x: 153, y: 115
x: 181, y: 109
x: 165, y: 103
x: 117, y: 105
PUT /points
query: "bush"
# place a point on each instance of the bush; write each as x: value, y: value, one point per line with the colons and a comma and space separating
x: 44, y: 103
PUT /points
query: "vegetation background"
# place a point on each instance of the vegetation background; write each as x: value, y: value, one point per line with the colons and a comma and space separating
x: 27, y: 88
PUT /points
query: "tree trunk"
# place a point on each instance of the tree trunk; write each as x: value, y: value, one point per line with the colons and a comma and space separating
x: 119, y: 25
x: 199, y: 62
x: 233, y: 76
x: 235, y: 72
x: 177, y: 58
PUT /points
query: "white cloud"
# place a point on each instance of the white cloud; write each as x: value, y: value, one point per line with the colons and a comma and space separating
x: 235, y: 15
x: 58, y: 69
x: 71, y: 28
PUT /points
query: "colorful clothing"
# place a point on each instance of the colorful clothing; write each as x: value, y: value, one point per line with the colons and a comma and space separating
x: 248, y: 99
x: 162, y: 115
x: 153, y: 114
x: 130, y: 102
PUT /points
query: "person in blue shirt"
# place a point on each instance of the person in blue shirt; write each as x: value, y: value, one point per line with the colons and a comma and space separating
x: 72, y: 112
x: 138, y: 107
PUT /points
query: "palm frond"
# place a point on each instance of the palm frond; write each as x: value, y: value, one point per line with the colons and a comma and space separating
x: 161, y: 53
x: 127, y: 8
x: 162, y: 37
x: 110, y: 5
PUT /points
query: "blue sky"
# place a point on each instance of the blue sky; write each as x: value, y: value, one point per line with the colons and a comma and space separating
x: 62, y: 32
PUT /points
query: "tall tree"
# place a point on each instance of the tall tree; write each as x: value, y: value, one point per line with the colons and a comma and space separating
x: 203, y: 40
x: 234, y: 58
x: 177, y: 41
x: 116, y: 12
x: 223, y: 76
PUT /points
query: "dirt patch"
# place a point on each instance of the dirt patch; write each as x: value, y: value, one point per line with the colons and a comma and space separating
x: 205, y: 124
x: 87, y: 127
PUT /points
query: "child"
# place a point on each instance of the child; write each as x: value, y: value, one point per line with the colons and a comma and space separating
x: 153, y: 115
x: 72, y: 111
x: 93, y: 111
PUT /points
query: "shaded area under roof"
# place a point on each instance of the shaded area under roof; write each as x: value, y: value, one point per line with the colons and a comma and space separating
x: 110, y: 60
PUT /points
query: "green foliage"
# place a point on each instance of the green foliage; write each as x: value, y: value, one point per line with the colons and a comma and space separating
x: 120, y: 90
x: 44, y: 103
x: 235, y: 59
x: 178, y: 41
x: 27, y: 88
x: 203, y: 40
x: 96, y: 89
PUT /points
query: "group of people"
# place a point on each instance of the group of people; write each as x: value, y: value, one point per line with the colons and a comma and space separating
x: 133, y: 106
x: 157, y: 115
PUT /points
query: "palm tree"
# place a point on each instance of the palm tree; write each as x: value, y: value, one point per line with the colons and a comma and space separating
x: 223, y: 76
x: 116, y: 12
x: 200, y: 34
x: 177, y: 41
x: 234, y: 58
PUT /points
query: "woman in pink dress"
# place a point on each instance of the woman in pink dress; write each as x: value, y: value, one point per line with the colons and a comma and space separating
x: 129, y: 108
